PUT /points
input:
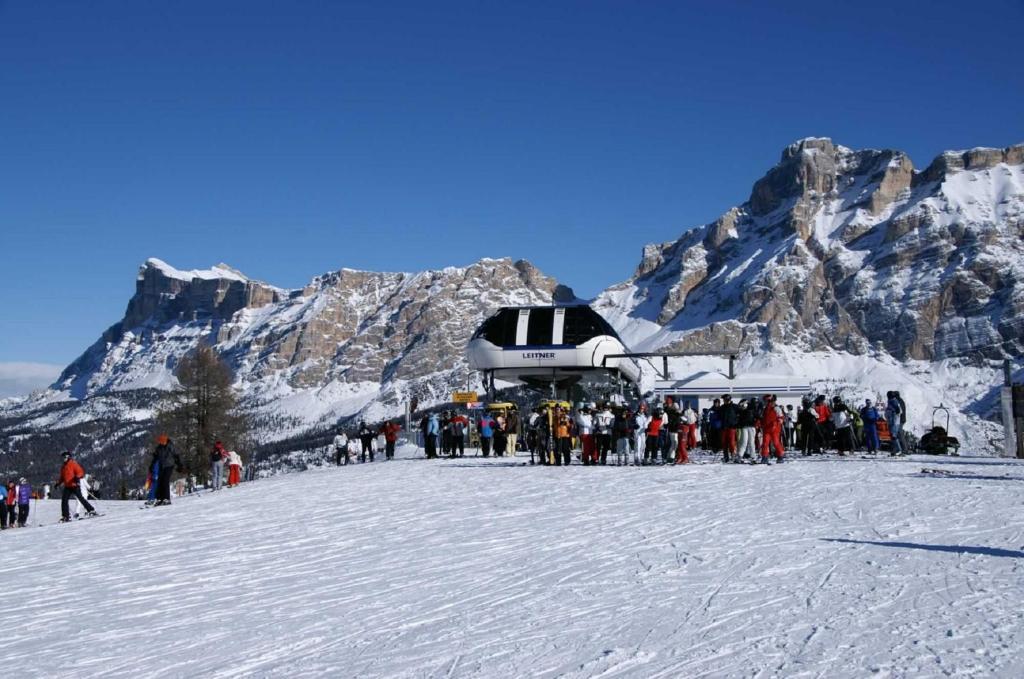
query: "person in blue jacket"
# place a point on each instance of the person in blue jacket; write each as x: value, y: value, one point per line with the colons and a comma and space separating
x: 487, y: 425
x: 869, y: 414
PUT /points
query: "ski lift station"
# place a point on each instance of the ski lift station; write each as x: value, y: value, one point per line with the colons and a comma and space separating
x: 702, y: 388
x: 549, y: 346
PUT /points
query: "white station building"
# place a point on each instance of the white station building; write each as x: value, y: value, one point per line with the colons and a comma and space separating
x: 701, y: 389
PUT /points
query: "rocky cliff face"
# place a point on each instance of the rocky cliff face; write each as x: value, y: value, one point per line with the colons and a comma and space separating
x: 848, y: 250
x: 344, y: 338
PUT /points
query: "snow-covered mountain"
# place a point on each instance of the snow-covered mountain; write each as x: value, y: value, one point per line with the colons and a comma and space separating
x: 845, y: 250
x: 852, y: 267
x: 843, y: 265
x: 350, y: 342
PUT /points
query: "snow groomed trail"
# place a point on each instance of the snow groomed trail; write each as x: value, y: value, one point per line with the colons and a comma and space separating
x: 479, y: 568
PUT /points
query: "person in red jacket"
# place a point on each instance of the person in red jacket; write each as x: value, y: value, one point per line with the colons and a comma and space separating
x: 771, y: 431
x: 70, y: 474
x: 9, y: 511
x: 390, y: 431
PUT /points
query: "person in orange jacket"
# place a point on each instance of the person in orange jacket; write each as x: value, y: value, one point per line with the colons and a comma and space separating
x: 771, y: 428
x: 70, y: 474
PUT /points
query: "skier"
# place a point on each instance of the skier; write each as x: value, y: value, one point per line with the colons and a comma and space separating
x: 585, y: 426
x: 673, y: 420
x: 234, y: 469
x: 366, y: 437
x: 745, y: 424
x: 869, y: 414
x: 639, y: 428
x: 390, y: 430
x: 24, y: 499
x: 789, y: 427
x: 603, y: 421
x: 512, y: 426
x: 458, y: 436
x: 682, y: 452
x: 217, y: 458
x: 446, y: 433
x: 499, y: 436
x: 622, y: 430
x: 822, y: 415
x: 715, y: 426
x: 729, y: 415
x: 843, y: 426
x: 893, y: 417
x: 486, y: 427
x: 563, y: 437
x: 340, y: 445
x: 165, y: 461
x: 690, y: 419
x: 433, y: 430
x: 71, y: 474
x: 651, y: 442
x: 10, y: 508
x: 86, y: 485
x: 903, y: 418
x: 771, y: 427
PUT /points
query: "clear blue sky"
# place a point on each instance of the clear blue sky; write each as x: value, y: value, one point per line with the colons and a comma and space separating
x: 293, y: 138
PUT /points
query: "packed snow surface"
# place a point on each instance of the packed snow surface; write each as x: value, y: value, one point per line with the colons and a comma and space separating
x: 491, y: 568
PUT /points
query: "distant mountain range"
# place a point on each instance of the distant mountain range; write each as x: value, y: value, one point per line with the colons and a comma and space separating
x: 835, y: 253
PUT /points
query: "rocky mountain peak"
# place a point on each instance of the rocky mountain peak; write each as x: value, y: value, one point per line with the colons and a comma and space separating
x: 849, y: 250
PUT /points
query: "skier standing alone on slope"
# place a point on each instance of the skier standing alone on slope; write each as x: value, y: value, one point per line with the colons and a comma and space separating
x: 167, y: 458
x: 70, y: 474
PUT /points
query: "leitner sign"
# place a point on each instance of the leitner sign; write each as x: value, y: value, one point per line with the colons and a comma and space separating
x: 464, y: 396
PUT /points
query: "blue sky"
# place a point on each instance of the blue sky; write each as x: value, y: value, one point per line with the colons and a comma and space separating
x: 292, y: 138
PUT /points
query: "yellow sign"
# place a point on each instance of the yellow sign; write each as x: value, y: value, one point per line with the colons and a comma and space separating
x: 463, y: 396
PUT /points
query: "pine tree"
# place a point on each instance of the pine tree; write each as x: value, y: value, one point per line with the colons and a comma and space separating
x: 202, y: 409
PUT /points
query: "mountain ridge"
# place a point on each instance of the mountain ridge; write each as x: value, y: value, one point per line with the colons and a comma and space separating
x: 834, y: 252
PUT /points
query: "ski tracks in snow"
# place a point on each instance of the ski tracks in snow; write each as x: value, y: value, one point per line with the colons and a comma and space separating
x: 474, y: 568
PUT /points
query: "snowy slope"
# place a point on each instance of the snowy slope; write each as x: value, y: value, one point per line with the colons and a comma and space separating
x: 837, y: 568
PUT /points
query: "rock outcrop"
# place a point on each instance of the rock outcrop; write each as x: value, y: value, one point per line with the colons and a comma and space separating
x: 849, y: 250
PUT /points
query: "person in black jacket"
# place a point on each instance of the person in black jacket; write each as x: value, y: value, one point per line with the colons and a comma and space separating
x: 165, y: 462
x: 366, y: 436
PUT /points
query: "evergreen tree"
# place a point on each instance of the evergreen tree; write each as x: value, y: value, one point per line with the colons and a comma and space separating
x: 201, y: 409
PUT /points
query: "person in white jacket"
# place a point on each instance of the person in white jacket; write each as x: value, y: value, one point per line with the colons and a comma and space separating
x: 585, y: 428
x: 83, y: 484
x: 234, y: 469
x: 340, y: 446
x: 640, y: 422
x: 690, y: 418
x: 603, y: 421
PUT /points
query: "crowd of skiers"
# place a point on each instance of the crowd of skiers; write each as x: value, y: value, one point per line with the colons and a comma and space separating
x: 17, y: 498
x: 655, y: 434
x: 362, y: 444
x: 748, y: 430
